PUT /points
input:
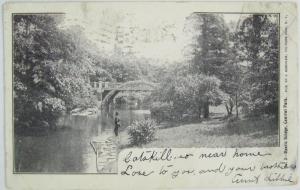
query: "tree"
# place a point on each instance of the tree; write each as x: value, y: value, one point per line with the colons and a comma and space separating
x: 121, y: 68
x: 210, y: 49
x: 36, y: 46
x: 187, y: 94
x: 231, y: 75
x: 232, y: 85
x: 50, y: 70
x: 73, y: 72
x: 258, y: 43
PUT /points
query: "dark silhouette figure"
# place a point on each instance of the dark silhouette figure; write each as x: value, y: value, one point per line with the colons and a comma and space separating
x: 117, y: 123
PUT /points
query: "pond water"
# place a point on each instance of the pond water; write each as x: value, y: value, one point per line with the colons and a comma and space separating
x: 68, y: 148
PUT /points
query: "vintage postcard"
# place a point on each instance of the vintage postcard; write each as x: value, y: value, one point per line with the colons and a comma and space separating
x: 155, y: 95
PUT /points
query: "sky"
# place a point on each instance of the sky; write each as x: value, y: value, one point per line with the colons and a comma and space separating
x: 157, y: 36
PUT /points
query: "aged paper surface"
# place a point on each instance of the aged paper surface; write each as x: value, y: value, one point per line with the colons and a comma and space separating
x: 130, y: 95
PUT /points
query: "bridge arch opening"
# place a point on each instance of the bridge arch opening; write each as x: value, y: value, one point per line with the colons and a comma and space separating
x: 131, y: 86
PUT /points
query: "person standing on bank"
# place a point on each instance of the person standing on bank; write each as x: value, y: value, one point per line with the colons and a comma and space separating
x: 117, y: 124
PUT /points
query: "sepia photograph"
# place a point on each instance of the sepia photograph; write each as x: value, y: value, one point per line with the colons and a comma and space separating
x: 87, y: 86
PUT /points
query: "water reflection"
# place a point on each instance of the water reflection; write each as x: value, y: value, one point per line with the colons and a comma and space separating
x: 68, y: 148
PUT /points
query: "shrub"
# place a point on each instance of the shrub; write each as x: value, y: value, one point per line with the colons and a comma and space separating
x: 141, y: 132
x: 161, y: 111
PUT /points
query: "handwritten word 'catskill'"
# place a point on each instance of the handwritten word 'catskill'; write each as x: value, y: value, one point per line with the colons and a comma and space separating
x: 165, y: 155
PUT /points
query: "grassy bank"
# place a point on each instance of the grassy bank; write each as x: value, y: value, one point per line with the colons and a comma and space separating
x: 215, y: 132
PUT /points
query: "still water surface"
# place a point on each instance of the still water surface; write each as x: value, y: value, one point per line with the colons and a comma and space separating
x: 68, y: 148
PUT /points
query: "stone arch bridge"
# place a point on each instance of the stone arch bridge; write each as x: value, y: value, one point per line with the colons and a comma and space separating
x: 109, y: 90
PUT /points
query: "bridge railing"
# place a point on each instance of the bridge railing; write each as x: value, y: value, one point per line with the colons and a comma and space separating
x: 113, y: 85
x: 105, y: 85
x: 131, y: 85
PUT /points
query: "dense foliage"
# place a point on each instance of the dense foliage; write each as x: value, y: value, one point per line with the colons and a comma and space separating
x: 237, y: 67
x: 53, y: 67
x: 42, y: 54
x: 257, y: 39
x: 234, y: 66
x: 162, y: 111
x: 142, y: 132
x: 188, y: 94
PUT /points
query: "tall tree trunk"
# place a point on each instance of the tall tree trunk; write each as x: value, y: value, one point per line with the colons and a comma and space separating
x: 236, y: 105
x: 206, y: 109
x: 228, y: 109
x: 231, y: 106
x: 258, y: 21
